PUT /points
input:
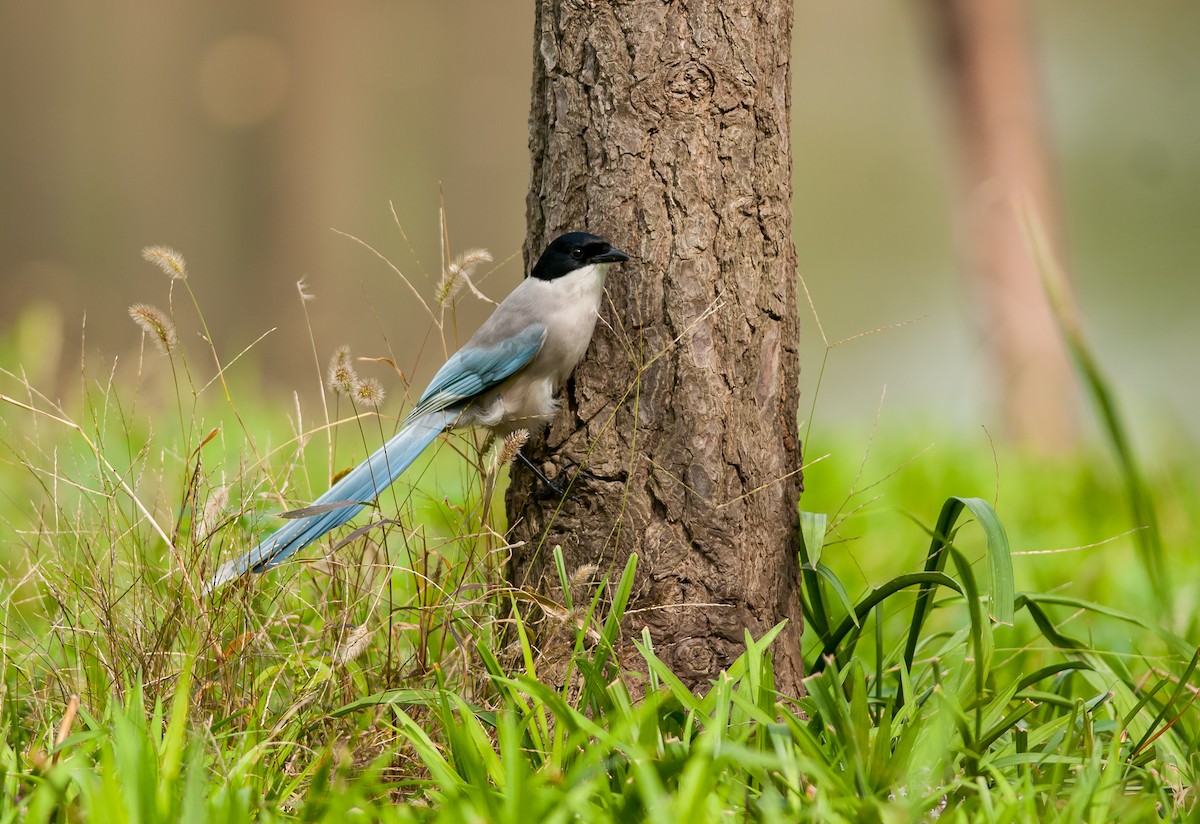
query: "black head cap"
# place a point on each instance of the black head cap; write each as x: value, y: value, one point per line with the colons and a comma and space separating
x: 572, y: 251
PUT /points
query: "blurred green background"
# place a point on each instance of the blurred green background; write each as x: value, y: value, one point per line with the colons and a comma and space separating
x: 243, y: 133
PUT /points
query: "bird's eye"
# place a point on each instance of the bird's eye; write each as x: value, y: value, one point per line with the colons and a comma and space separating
x: 577, y: 253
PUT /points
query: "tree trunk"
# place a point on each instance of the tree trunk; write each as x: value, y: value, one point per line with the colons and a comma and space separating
x: 664, y: 127
x: 993, y: 94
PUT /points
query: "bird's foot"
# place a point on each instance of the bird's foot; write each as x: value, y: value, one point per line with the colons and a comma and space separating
x: 561, y: 485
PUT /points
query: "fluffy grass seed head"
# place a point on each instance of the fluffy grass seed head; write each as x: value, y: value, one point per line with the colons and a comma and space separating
x: 355, y: 643
x: 214, y: 510
x: 156, y: 324
x: 369, y: 392
x: 580, y: 583
x: 507, y: 452
x: 167, y: 259
x: 302, y: 288
x: 342, y: 377
x: 461, y: 268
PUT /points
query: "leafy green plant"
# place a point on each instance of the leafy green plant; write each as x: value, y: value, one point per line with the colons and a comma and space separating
x: 398, y: 677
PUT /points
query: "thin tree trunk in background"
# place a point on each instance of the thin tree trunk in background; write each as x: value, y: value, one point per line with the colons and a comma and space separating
x: 994, y: 94
x: 664, y: 127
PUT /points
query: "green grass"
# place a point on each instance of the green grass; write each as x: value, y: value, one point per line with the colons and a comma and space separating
x: 985, y: 632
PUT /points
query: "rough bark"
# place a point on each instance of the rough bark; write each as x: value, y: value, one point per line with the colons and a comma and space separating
x: 993, y: 94
x: 664, y: 127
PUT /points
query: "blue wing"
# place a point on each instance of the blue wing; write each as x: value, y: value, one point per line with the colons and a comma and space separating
x: 475, y: 369
x: 471, y: 371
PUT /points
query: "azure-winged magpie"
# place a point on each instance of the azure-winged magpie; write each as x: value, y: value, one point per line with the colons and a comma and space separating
x: 504, y: 378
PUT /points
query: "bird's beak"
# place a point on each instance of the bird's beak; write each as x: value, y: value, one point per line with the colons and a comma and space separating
x: 611, y: 256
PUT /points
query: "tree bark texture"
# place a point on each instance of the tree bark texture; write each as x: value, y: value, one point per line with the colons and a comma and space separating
x: 992, y: 89
x: 663, y: 126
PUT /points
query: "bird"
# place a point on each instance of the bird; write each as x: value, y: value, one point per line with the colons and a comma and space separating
x: 504, y: 378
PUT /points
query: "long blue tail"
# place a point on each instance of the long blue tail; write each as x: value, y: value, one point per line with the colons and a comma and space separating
x: 361, y: 485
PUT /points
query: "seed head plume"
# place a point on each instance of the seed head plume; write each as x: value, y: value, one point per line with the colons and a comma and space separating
x: 354, y: 645
x: 156, y: 324
x: 167, y: 259
x: 580, y: 582
x: 460, y: 270
x: 509, y: 449
x: 214, y: 510
x: 369, y: 392
x: 302, y: 288
x: 342, y: 377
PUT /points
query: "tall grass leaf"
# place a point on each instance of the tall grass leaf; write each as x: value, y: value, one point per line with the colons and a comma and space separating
x: 408, y: 697
x: 1160, y: 724
x: 612, y: 623
x: 860, y: 729
x: 668, y: 678
x: 999, y: 558
x: 695, y: 785
x: 1046, y: 626
x: 873, y: 599
x: 1178, y: 645
x: 949, y: 705
x: 514, y: 780
x: 175, y: 738
x: 1141, y: 502
x: 906, y: 711
x: 131, y: 780
x: 622, y: 706
x: 648, y: 643
x: 512, y: 696
x: 832, y: 715
x: 463, y: 756
x: 595, y: 685
x: 1006, y: 724
x: 620, y: 599
x: 447, y: 777
x: 935, y: 562
x: 562, y: 712
x: 564, y: 580
x: 1146, y: 697
x: 1109, y: 782
x: 753, y: 657
x: 742, y: 665
x: 830, y: 578
x: 485, y: 762
x: 813, y: 526
x: 981, y: 637
x: 722, y: 705
x: 1050, y: 671
x: 1003, y: 584
x: 1051, y: 699
x: 752, y: 710
x: 523, y: 638
x: 810, y: 539
x: 193, y: 806
x: 595, y: 681
x: 882, y: 759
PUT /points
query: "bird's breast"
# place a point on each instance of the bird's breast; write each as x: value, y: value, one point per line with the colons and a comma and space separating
x: 569, y: 327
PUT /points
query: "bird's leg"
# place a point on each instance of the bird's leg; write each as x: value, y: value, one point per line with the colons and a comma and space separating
x: 567, y: 477
x: 551, y: 485
x: 578, y: 473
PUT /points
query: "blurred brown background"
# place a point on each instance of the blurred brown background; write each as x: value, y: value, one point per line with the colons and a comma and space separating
x: 242, y: 134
